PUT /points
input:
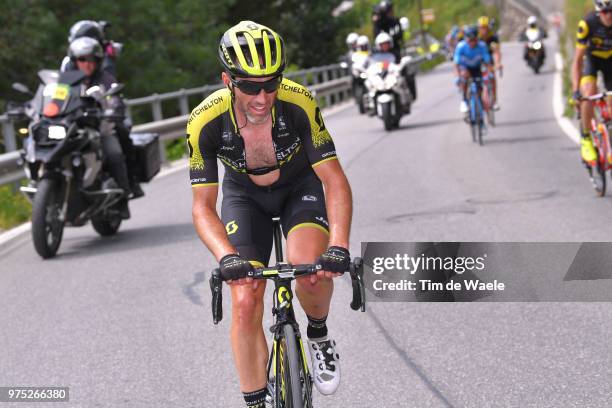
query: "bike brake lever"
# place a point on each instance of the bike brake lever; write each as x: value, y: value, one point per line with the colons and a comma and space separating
x: 216, y: 286
x: 356, y: 271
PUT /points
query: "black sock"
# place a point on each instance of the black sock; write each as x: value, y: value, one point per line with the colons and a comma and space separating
x: 317, y: 328
x: 255, y: 399
x: 584, y: 133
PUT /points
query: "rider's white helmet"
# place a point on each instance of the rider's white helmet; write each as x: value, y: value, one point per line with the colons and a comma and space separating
x: 363, y: 40
x: 382, y: 38
x: 532, y: 20
x: 351, y: 39
x: 603, y: 5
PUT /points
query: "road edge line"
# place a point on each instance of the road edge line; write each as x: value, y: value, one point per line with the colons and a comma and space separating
x: 565, y: 123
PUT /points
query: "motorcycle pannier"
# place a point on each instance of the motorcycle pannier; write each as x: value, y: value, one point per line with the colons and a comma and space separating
x: 146, y: 147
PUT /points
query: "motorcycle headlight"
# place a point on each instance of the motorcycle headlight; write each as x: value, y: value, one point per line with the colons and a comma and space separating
x: 57, y: 132
x: 537, y: 45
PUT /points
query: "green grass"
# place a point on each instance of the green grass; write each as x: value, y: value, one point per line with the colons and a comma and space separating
x: 14, y: 207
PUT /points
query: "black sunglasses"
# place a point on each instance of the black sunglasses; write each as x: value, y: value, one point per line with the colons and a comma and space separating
x: 86, y: 59
x: 254, y: 88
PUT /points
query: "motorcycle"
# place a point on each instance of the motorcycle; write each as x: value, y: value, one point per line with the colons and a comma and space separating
x: 388, y: 93
x: 357, y: 68
x: 63, y: 158
x: 535, y: 49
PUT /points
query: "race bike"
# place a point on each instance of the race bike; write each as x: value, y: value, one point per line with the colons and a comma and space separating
x: 289, y: 377
x: 601, y: 125
x: 535, y: 49
x: 63, y: 158
x: 388, y: 93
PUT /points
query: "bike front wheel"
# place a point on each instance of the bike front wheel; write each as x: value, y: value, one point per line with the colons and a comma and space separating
x: 291, y: 387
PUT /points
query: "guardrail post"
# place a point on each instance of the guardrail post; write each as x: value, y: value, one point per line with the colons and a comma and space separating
x: 162, y: 151
x: 8, y: 130
x: 184, y: 103
x: 156, y: 108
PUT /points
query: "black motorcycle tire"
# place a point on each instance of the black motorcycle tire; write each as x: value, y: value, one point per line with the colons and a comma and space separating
x: 106, y: 227
x: 387, y: 117
x: 47, y: 228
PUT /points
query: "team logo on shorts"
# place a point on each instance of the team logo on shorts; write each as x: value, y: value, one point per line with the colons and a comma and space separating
x: 309, y: 198
x: 231, y: 227
x: 322, y: 220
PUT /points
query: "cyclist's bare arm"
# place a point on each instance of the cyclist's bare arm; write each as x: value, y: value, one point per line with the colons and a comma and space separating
x: 209, y: 227
x: 338, y: 201
x: 577, y: 67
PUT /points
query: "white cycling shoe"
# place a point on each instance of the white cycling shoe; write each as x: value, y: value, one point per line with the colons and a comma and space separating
x: 463, y: 108
x: 325, y: 364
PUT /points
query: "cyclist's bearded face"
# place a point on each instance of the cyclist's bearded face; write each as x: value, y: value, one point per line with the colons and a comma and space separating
x: 256, y: 108
x: 606, y: 17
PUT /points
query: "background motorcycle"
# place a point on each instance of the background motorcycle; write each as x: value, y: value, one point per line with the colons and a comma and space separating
x: 388, y: 95
x: 63, y: 158
x: 535, y: 49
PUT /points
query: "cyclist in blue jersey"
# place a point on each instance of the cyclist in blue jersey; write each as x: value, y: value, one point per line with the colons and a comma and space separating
x: 470, y: 56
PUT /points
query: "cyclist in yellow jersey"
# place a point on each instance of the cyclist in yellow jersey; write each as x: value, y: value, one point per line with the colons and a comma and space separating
x: 486, y: 34
x: 593, y: 54
x: 279, y: 160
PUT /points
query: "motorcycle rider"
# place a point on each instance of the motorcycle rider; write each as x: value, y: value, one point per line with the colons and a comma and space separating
x: 97, y: 31
x: 351, y: 42
x: 535, y: 32
x: 387, y: 22
x: 470, y: 55
x: 490, y: 38
x: 86, y: 54
x: 593, y: 54
x: 363, y: 44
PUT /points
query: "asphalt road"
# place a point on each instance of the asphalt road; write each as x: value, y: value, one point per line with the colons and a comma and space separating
x: 125, y: 321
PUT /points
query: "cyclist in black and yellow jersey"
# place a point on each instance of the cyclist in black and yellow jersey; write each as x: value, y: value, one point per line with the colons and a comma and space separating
x: 593, y: 54
x: 279, y: 160
x: 490, y: 38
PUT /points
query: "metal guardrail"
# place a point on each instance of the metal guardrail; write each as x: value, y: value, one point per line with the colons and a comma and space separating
x: 329, y: 84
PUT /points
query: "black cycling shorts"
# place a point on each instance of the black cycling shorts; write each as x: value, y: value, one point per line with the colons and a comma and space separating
x: 594, y: 64
x: 247, y: 213
x: 474, y: 72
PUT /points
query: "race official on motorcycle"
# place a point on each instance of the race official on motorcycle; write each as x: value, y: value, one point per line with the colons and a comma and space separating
x: 388, y: 23
x: 86, y: 54
x: 97, y: 31
x: 538, y: 32
x: 363, y: 44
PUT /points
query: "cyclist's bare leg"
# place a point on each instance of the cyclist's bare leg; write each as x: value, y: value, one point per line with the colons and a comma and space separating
x: 247, y: 335
x: 465, y: 75
x: 304, y: 245
x: 587, y: 88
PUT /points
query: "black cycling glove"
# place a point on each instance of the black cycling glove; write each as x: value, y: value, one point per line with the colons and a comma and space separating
x: 234, y: 266
x: 335, y: 259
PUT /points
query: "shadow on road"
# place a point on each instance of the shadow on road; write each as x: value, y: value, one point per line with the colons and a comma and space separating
x: 524, y: 122
x: 433, y: 123
x: 515, y: 140
x: 127, y: 240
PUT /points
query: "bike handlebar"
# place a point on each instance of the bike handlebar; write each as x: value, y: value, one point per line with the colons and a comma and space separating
x: 290, y: 272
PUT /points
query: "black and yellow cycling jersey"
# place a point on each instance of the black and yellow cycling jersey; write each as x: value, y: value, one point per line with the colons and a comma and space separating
x: 490, y: 39
x: 300, y: 138
x: 596, y: 38
x: 593, y: 35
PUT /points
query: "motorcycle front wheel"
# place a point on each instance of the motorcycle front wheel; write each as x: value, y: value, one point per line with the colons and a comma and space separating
x: 47, y: 222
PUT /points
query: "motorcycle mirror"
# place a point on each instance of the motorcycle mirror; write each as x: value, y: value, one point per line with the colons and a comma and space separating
x: 94, y: 92
x: 19, y: 87
x: 114, y: 89
x: 343, y: 65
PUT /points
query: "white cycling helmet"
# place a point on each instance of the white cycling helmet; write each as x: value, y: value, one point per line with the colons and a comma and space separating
x: 351, y: 39
x: 382, y: 38
x: 603, y: 5
x: 363, y: 41
x: 532, y: 20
